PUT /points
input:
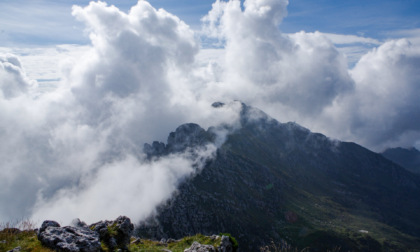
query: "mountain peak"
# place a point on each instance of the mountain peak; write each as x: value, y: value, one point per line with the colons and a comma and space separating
x: 279, y: 181
x: 188, y: 135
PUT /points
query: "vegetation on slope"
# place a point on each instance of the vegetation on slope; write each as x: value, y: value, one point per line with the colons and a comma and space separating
x: 24, y: 235
x: 20, y: 234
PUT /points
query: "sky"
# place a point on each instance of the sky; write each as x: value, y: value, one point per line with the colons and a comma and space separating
x: 83, y: 85
x: 45, y: 22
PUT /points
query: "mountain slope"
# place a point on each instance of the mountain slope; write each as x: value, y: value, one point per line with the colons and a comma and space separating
x: 407, y: 158
x: 274, y: 181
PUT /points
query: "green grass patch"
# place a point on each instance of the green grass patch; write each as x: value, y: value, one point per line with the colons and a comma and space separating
x: 176, y: 246
x: 26, y: 240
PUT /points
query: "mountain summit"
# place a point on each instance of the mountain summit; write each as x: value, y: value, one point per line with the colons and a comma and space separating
x: 280, y: 182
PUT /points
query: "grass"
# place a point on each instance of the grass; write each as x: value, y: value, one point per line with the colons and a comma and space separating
x: 176, y: 246
x: 20, y: 234
x: 285, y: 247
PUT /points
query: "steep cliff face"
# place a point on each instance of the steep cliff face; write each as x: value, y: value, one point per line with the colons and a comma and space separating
x: 275, y: 181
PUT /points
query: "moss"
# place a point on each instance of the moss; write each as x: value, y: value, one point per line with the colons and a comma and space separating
x: 112, y: 230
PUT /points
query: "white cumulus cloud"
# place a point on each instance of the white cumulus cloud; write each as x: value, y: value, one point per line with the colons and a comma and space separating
x: 67, y: 151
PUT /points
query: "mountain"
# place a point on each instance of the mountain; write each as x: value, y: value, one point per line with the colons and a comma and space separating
x: 407, y: 158
x: 279, y: 182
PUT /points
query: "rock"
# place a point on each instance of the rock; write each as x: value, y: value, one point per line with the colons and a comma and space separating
x: 115, y: 234
x: 156, y: 149
x: 68, y: 239
x: 197, y: 247
x: 79, y: 224
x: 47, y: 223
x: 214, y: 237
x: 225, y: 245
x: 137, y: 241
x: 218, y: 104
x: 185, y: 136
x: 17, y: 249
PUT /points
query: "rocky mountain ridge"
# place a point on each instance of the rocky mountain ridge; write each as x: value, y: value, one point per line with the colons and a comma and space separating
x: 281, y: 182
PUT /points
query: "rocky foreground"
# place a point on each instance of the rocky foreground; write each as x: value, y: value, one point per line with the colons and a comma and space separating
x: 112, y: 236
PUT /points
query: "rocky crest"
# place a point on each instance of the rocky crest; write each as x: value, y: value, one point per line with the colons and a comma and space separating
x: 188, y: 135
x: 115, y: 234
x: 70, y: 239
x: 197, y: 247
x: 83, y: 238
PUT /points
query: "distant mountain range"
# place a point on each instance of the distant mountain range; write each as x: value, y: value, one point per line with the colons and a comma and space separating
x: 407, y: 158
x: 279, y: 182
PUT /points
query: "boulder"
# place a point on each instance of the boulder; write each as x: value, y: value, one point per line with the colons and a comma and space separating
x: 48, y: 223
x: 137, y: 241
x: 79, y: 224
x: 197, y: 247
x: 225, y: 245
x: 68, y: 239
x: 115, y: 234
x: 17, y: 249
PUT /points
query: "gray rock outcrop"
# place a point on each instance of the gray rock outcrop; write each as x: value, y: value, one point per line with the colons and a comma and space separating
x: 17, y: 249
x: 115, y: 234
x: 46, y: 224
x: 186, y: 136
x: 79, y: 224
x: 68, y: 239
x: 225, y: 245
x: 82, y: 238
x: 197, y: 247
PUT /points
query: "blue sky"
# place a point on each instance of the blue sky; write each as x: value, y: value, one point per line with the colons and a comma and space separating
x: 377, y: 19
x: 45, y: 22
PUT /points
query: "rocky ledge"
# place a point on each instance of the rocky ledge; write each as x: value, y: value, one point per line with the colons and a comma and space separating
x: 109, y: 235
x: 81, y: 237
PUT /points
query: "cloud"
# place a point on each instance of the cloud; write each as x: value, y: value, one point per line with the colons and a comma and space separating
x: 350, y: 39
x: 387, y: 95
x: 265, y: 67
x: 13, y: 81
x: 125, y: 187
x: 62, y: 148
x: 304, y: 77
